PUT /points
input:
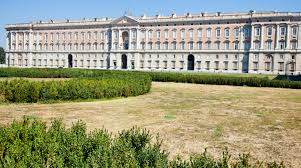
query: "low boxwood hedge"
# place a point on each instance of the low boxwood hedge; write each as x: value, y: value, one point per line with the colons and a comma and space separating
x: 29, y: 91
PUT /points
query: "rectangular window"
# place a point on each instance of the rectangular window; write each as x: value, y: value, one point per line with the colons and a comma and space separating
x: 270, y: 44
x: 182, y: 34
x: 158, y: 34
x: 270, y: 31
x: 281, y: 66
x: 199, y: 45
x: 235, y: 65
x: 191, y: 34
x: 208, y: 33
x: 282, y: 31
x: 257, y: 31
x: 218, y: 32
x: 236, y: 45
x: 255, y: 66
x: 226, y: 65
x: 227, y: 45
x: 207, y: 65
x: 227, y: 33
x: 166, y: 34
x: 218, y: 45
x: 209, y: 45
x: 236, y: 32
x: 294, y: 31
x: 191, y: 45
x: 199, y: 33
x: 174, y: 34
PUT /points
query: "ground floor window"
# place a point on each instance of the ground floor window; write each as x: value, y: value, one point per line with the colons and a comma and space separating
x: 226, y: 65
x: 281, y: 66
x: 255, y: 66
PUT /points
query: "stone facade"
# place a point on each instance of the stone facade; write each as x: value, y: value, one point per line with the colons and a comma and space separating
x: 251, y: 42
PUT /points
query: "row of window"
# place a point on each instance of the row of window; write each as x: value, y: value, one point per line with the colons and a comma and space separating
x: 191, y: 32
x: 227, y: 33
x: 268, y: 66
x: 269, y: 31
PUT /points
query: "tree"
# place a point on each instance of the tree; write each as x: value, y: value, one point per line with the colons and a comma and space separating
x: 2, y: 55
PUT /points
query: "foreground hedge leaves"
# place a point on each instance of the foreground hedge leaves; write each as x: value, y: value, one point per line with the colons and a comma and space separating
x: 29, y: 91
x: 29, y: 143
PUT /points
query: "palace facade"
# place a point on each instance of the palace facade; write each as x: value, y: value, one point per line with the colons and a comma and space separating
x: 251, y: 42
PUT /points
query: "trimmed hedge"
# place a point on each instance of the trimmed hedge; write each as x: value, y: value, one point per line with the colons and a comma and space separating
x: 198, y: 78
x: 217, y: 79
x: 29, y: 91
x: 29, y: 143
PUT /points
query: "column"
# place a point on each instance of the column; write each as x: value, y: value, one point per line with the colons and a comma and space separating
x: 130, y: 39
x: 299, y: 38
x: 241, y: 38
x: 262, y: 40
x: 119, y: 39
x: 252, y: 37
x: 17, y: 40
x: 7, y: 41
x: 138, y: 47
x: 277, y: 36
x: 288, y: 36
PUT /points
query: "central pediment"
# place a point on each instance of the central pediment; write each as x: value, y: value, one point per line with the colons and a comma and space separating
x: 125, y: 20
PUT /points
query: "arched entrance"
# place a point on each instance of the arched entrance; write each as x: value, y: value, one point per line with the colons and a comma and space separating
x: 125, y: 40
x: 70, y: 61
x: 124, y: 61
x: 190, y: 62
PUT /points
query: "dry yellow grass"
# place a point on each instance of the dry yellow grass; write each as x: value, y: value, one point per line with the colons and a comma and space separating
x: 189, y: 118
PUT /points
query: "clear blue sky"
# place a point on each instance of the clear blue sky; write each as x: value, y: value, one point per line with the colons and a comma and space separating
x: 20, y: 11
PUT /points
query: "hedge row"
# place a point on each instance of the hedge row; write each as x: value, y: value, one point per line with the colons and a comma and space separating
x: 198, y: 78
x: 222, y: 80
x: 29, y: 143
x: 29, y: 91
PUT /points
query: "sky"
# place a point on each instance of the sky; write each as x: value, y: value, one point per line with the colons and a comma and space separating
x: 24, y: 11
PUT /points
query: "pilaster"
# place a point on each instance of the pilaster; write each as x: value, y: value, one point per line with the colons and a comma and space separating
x: 288, y: 37
x: 277, y: 36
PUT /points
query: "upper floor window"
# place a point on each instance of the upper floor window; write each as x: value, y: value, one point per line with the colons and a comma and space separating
x: 150, y: 34
x: 191, y: 34
x: 236, y: 32
x: 282, y: 31
x: 174, y: 34
x: 269, y: 31
x: 218, y: 32
x: 89, y: 35
x: 158, y: 34
x: 200, y: 33
x: 70, y: 36
x: 64, y: 36
x: 27, y: 36
x: 227, y: 32
x: 182, y: 34
x: 134, y: 34
x: 209, y: 33
x: 116, y: 34
x: 227, y: 45
x: 270, y: 44
x: 76, y: 36
x: 257, y: 31
x: 294, y: 31
x: 166, y: 34
x: 51, y: 36
x: 246, y: 32
x: 58, y: 36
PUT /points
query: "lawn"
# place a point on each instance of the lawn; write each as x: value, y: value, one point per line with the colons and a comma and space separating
x: 265, y: 122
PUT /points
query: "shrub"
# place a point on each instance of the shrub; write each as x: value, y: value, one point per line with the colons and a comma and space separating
x: 28, y: 91
x: 29, y: 143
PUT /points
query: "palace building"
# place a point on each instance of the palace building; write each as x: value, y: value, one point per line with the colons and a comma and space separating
x: 250, y: 42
